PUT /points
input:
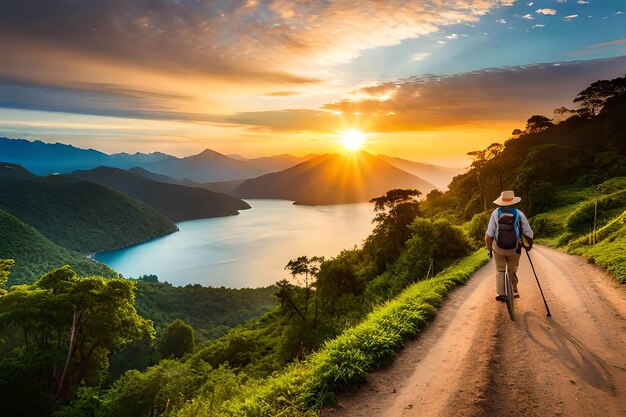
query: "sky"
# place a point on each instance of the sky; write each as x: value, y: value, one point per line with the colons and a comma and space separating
x: 424, y: 80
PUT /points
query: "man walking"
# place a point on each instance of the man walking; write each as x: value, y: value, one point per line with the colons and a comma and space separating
x: 507, y: 227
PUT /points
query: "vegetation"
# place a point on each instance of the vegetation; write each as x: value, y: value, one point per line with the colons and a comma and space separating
x: 210, y: 311
x: 34, y: 254
x: 57, y: 335
x: 177, y: 340
x: 343, y: 317
x: 79, y: 215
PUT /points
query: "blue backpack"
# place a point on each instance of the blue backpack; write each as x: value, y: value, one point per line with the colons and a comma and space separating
x: 508, y: 228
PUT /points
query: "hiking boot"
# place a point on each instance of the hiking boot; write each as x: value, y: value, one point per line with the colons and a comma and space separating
x: 501, y: 298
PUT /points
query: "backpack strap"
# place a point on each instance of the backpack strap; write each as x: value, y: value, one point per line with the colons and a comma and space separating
x: 517, y: 224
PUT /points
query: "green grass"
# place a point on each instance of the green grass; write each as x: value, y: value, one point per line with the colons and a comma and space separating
x: 568, y: 226
x: 304, y: 387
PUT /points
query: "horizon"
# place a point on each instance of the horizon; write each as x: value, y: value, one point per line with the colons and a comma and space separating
x: 427, y: 82
x: 234, y: 156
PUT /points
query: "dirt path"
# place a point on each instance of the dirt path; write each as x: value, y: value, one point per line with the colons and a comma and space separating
x: 473, y: 361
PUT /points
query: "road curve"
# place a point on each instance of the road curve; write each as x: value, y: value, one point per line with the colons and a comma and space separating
x: 473, y: 361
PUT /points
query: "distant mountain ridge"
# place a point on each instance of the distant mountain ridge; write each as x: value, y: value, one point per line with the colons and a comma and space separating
x: 46, y: 158
x: 438, y: 175
x: 332, y: 179
x: 210, y: 166
x: 207, y: 166
x: 178, y: 202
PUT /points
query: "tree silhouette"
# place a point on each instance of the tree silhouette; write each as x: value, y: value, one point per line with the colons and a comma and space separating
x: 592, y: 99
x: 308, y: 268
x: 538, y: 123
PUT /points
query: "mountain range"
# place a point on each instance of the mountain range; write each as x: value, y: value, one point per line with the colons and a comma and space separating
x: 48, y: 158
x: 332, y: 179
x: 178, y: 202
x: 80, y: 215
x: 209, y: 169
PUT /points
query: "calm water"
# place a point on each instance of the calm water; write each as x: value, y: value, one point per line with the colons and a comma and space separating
x: 248, y: 250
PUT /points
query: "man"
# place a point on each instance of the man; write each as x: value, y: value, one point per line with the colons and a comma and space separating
x: 507, y: 227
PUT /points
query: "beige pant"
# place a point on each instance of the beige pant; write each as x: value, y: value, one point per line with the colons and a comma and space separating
x: 505, y: 258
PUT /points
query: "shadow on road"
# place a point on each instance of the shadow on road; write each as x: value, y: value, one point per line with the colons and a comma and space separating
x: 548, y: 334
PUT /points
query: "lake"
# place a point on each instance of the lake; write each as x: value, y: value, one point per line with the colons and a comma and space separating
x: 248, y: 250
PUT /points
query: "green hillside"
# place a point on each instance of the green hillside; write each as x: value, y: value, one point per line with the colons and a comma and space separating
x: 178, y: 202
x: 34, y: 254
x: 79, y: 215
x: 560, y: 169
x: 211, y: 311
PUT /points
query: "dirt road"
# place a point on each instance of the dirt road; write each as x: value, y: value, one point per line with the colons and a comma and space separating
x: 474, y: 361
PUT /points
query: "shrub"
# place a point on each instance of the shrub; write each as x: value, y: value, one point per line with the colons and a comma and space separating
x: 581, y: 220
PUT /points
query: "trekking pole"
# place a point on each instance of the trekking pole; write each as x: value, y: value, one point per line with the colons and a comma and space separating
x: 540, y: 290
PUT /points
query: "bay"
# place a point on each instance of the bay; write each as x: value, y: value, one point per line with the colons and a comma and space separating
x: 248, y: 250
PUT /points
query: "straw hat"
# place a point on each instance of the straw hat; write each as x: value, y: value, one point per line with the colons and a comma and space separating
x: 507, y: 198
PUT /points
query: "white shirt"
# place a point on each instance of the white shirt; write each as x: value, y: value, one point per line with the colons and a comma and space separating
x: 492, y: 228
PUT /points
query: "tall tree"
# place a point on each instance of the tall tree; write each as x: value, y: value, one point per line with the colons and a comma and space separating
x: 308, y: 269
x: 592, y: 99
x: 394, y: 212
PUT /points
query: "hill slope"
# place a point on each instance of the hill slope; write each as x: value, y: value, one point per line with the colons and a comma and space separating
x: 437, y: 175
x: 332, y: 179
x: 178, y: 202
x: 79, y: 215
x: 35, y: 255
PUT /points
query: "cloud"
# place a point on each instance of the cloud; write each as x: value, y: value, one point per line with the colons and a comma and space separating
x: 561, y: 1
x: 550, y: 12
x: 618, y: 45
x: 582, y: 2
x: 528, y: 17
x: 531, y: 4
x: 234, y: 39
x: 422, y: 103
x: 211, y: 55
x: 538, y: 26
x: 420, y: 56
x: 281, y: 94
x: 618, y: 13
x: 501, y: 21
x: 570, y: 17
x: 452, y: 36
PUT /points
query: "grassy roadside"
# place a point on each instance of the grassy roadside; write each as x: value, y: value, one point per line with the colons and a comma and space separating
x: 304, y: 387
x: 568, y: 227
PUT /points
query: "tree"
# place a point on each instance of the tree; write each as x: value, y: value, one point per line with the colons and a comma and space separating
x: 5, y: 270
x: 481, y: 158
x: 68, y: 327
x: 394, y: 212
x: 177, y: 340
x: 308, y: 267
x: 538, y: 123
x: 592, y: 99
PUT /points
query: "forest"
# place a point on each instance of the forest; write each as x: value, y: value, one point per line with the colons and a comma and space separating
x: 95, y: 351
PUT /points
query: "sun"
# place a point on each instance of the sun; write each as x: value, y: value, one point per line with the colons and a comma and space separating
x: 353, y: 139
